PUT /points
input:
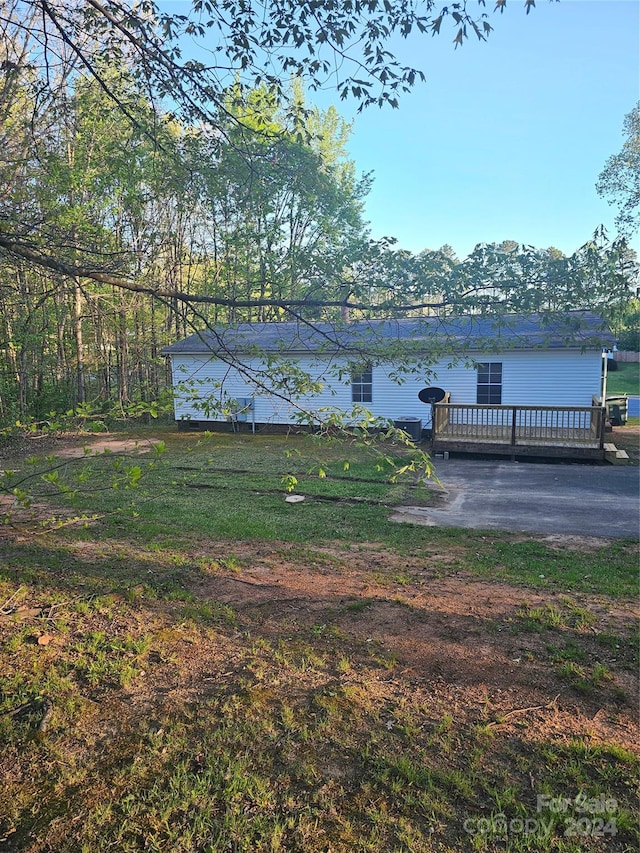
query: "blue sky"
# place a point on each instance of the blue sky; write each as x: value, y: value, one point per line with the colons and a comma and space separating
x: 506, y: 138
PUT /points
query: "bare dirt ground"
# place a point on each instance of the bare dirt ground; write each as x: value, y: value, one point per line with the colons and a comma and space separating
x: 463, y: 645
x: 73, y: 446
x: 454, y: 637
x: 627, y: 438
x: 65, y: 446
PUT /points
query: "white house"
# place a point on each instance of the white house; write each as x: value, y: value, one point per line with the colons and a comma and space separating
x: 278, y: 373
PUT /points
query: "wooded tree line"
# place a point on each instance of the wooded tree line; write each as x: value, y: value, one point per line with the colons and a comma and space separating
x: 124, y: 224
x: 249, y: 219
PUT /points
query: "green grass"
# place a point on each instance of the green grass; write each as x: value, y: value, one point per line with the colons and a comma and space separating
x: 611, y: 570
x: 250, y: 771
x: 624, y: 380
x: 186, y: 719
x: 568, y: 615
x: 294, y: 749
x: 230, y: 487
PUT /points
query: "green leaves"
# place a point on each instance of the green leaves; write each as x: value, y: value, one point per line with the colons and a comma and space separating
x: 133, y: 475
x: 288, y: 482
x: 619, y: 181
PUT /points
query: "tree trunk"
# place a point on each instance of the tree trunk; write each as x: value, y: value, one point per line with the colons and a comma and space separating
x: 77, y: 320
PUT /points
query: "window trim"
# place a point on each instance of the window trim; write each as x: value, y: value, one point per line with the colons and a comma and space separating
x: 489, y: 392
x: 362, y: 384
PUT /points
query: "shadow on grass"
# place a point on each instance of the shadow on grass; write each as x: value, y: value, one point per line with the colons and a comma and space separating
x: 281, y: 697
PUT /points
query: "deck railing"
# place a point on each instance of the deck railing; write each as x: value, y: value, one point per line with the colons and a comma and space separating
x: 520, y: 425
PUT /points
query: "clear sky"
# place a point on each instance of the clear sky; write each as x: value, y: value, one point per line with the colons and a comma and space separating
x: 506, y: 138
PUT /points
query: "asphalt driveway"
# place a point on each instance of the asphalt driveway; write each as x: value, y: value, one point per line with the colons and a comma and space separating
x: 565, y: 499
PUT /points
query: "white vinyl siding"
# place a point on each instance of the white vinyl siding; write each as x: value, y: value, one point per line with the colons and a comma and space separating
x: 529, y: 378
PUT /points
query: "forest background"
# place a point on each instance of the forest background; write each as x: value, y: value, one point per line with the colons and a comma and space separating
x: 143, y: 197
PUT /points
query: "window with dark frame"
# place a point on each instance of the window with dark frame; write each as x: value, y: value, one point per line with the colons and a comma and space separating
x: 362, y: 385
x: 489, y: 391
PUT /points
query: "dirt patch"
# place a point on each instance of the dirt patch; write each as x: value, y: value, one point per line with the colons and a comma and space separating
x: 575, y: 543
x: 415, y: 621
x: 71, y: 446
x: 627, y: 438
x: 105, y: 444
x: 463, y: 643
x: 58, y: 447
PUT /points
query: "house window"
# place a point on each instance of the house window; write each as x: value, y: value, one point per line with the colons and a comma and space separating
x: 362, y: 385
x: 489, y: 384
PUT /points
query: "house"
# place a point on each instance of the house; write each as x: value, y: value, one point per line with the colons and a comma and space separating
x: 298, y: 372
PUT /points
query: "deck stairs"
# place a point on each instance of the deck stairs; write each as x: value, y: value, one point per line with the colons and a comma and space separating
x: 615, y: 456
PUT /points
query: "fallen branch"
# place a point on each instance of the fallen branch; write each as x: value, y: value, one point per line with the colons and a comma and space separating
x: 54, y: 607
x: 7, y: 607
x: 548, y: 706
x: 43, y: 704
x: 47, y: 707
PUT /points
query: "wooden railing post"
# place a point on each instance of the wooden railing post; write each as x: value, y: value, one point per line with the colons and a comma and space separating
x: 513, y: 426
x: 601, y: 424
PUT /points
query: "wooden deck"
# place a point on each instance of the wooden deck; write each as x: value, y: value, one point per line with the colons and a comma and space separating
x: 561, y: 431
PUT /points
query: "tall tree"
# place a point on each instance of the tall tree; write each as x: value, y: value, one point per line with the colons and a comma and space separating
x: 340, y: 44
x: 123, y: 223
x: 619, y: 181
x: 285, y: 205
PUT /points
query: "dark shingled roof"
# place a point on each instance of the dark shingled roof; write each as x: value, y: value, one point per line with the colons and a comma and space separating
x: 575, y: 329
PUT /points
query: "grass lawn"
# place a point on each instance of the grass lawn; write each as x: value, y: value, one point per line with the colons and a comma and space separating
x: 624, y: 380
x: 202, y: 666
